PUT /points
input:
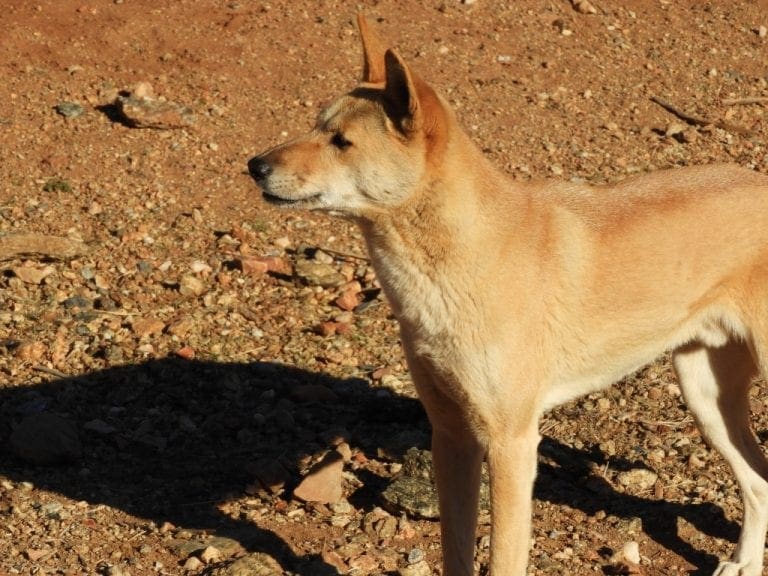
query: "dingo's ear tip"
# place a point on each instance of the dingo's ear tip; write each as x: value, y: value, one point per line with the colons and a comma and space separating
x: 373, y: 52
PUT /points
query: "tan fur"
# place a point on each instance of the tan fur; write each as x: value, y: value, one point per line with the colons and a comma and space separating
x: 514, y: 298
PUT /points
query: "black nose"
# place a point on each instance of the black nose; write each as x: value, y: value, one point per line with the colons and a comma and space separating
x: 259, y: 168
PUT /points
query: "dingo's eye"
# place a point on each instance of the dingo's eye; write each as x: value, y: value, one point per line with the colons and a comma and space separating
x: 340, y: 142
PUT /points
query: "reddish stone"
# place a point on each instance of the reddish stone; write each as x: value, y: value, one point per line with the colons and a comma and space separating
x: 186, y: 352
x: 324, y: 482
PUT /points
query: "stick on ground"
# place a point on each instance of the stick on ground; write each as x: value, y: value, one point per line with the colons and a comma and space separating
x: 696, y: 121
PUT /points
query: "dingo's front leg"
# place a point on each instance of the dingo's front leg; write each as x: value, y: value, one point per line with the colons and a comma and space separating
x: 512, y: 466
x: 457, y: 460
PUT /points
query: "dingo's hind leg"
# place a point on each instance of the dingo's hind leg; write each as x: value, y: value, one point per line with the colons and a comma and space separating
x: 715, y: 384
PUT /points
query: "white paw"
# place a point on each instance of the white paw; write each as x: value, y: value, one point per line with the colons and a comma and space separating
x: 737, y: 569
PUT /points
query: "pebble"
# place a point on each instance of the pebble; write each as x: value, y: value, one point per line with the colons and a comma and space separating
x: 258, y: 265
x: 584, y: 6
x: 77, y: 302
x: 31, y: 351
x: 191, y: 285
x: 139, y: 109
x: 147, y: 327
x: 181, y: 327
x: 210, y: 554
x: 198, y: 266
x: 762, y: 31
x: 316, y: 273
x: 258, y: 564
x: 638, y: 479
x: 70, y: 109
x: 420, y: 568
x: 116, y: 570
x: 323, y: 483
x: 253, y: 266
x: 674, y: 128
x: 348, y: 299
x: 186, y: 352
x: 33, y: 274
x: 193, y: 563
x: 415, y: 555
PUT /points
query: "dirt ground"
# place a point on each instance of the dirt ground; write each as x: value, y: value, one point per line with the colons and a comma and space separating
x: 168, y: 380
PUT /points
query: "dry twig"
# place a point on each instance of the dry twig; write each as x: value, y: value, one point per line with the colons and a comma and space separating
x: 747, y: 100
x: 696, y: 121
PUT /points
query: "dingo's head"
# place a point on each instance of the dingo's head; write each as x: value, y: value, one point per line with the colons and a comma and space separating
x: 368, y: 151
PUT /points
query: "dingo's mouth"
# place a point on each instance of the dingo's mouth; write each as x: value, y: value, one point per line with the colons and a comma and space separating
x: 280, y: 201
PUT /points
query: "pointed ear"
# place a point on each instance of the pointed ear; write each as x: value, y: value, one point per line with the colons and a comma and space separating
x: 373, y: 52
x: 401, y: 97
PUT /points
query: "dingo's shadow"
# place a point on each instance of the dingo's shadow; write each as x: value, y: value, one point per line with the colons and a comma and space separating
x: 568, y: 478
x: 167, y: 440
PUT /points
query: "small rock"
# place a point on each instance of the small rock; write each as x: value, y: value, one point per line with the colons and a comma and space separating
x: 332, y: 328
x: 143, y: 90
x: 626, y: 561
x: 631, y: 551
x: 420, y: 568
x: 762, y: 31
x: 31, y: 351
x: 140, y: 109
x: 638, y: 479
x: 258, y: 564
x: 323, y: 483
x: 258, y: 265
x: 413, y: 490
x: 584, y: 6
x: 690, y: 135
x: 186, y: 352
x: 253, y: 266
x: 198, y: 267
x: 33, y: 274
x: 147, y: 327
x: 322, y: 257
x: 181, y: 327
x: 334, y: 559
x: 77, y: 302
x: 603, y: 404
x: 46, y: 439
x: 35, y: 555
x: 416, y: 555
x: 366, y: 563
x: 210, y: 554
x: 674, y: 128
x: 345, y: 451
x: 318, y: 274
x: 283, y: 242
x: 190, y: 285
x: 70, y: 109
x: 193, y: 563
x: 116, y: 570
x: 348, y: 300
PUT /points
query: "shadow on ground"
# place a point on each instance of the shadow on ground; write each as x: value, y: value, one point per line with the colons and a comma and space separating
x: 167, y: 440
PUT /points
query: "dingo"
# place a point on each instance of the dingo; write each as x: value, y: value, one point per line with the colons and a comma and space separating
x: 513, y: 298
